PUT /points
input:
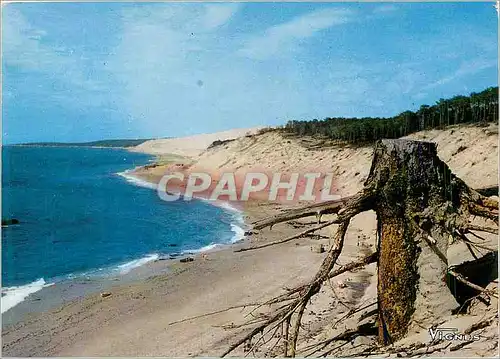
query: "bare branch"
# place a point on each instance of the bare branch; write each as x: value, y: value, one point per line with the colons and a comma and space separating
x: 356, y: 204
x: 313, y: 288
x: 472, y: 227
x: 242, y: 306
x: 483, y: 211
x: 460, y: 278
x: 288, y: 239
x: 371, y: 258
x: 463, y: 238
x: 352, y: 312
x: 307, y: 211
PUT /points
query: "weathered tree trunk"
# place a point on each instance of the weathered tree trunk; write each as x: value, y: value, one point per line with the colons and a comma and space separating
x: 420, y: 205
x: 412, y: 190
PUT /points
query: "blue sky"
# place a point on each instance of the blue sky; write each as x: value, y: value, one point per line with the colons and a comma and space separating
x: 88, y: 71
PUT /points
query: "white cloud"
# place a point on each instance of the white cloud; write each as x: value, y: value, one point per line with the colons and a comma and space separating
x: 466, y: 68
x: 183, y: 69
x: 177, y: 69
x: 21, y: 43
x: 218, y: 15
x: 183, y: 18
x: 284, y: 36
x: 25, y: 47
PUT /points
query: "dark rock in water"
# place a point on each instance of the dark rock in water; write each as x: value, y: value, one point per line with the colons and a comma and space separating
x: 8, y: 222
x: 188, y: 259
x: 172, y: 245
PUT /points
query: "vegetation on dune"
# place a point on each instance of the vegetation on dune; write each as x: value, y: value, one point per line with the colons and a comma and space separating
x: 477, y: 108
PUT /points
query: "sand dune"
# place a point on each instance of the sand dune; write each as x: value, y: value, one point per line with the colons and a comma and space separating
x: 470, y: 151
x: 191, y: 145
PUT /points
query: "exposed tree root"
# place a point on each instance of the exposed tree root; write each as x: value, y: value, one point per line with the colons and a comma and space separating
x: 298, y: 305
x: 352, y: 312
x: 417, y: 199
x: 481, y: 324
x: 418, y: 349
x: 289, y: 295
x: 463, y: 238
x: 242, y: 306
x: 331, y: 207
x: 315, y: 209
x: 471, y: 227
x: 295, y: 310
x: 344, y: 336
x: 288, y: 239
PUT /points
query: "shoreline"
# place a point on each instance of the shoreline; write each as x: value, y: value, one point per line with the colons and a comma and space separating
x: 132, y: 177
x: 41, y: 291
x: 170, y: 291
x: 70, y: 301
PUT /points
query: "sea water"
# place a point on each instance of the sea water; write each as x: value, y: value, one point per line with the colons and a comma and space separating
x: 81, y: 214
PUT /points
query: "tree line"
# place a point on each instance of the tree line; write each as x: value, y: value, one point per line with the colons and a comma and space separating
x: 479, y: 107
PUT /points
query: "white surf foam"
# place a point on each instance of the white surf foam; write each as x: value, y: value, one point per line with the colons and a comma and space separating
x: 202, y: 249
x: 127, y: 267
x: 239, y: 233
x: 135, y: 180
x: 12, y: 296
x: 237, y: 227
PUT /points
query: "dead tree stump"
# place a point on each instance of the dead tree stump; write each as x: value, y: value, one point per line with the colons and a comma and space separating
x: 412, y: 190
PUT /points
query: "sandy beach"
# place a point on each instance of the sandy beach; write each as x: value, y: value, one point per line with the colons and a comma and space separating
x: 137, y: 319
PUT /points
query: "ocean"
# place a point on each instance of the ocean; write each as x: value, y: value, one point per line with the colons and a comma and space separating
x: 83, y: 216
